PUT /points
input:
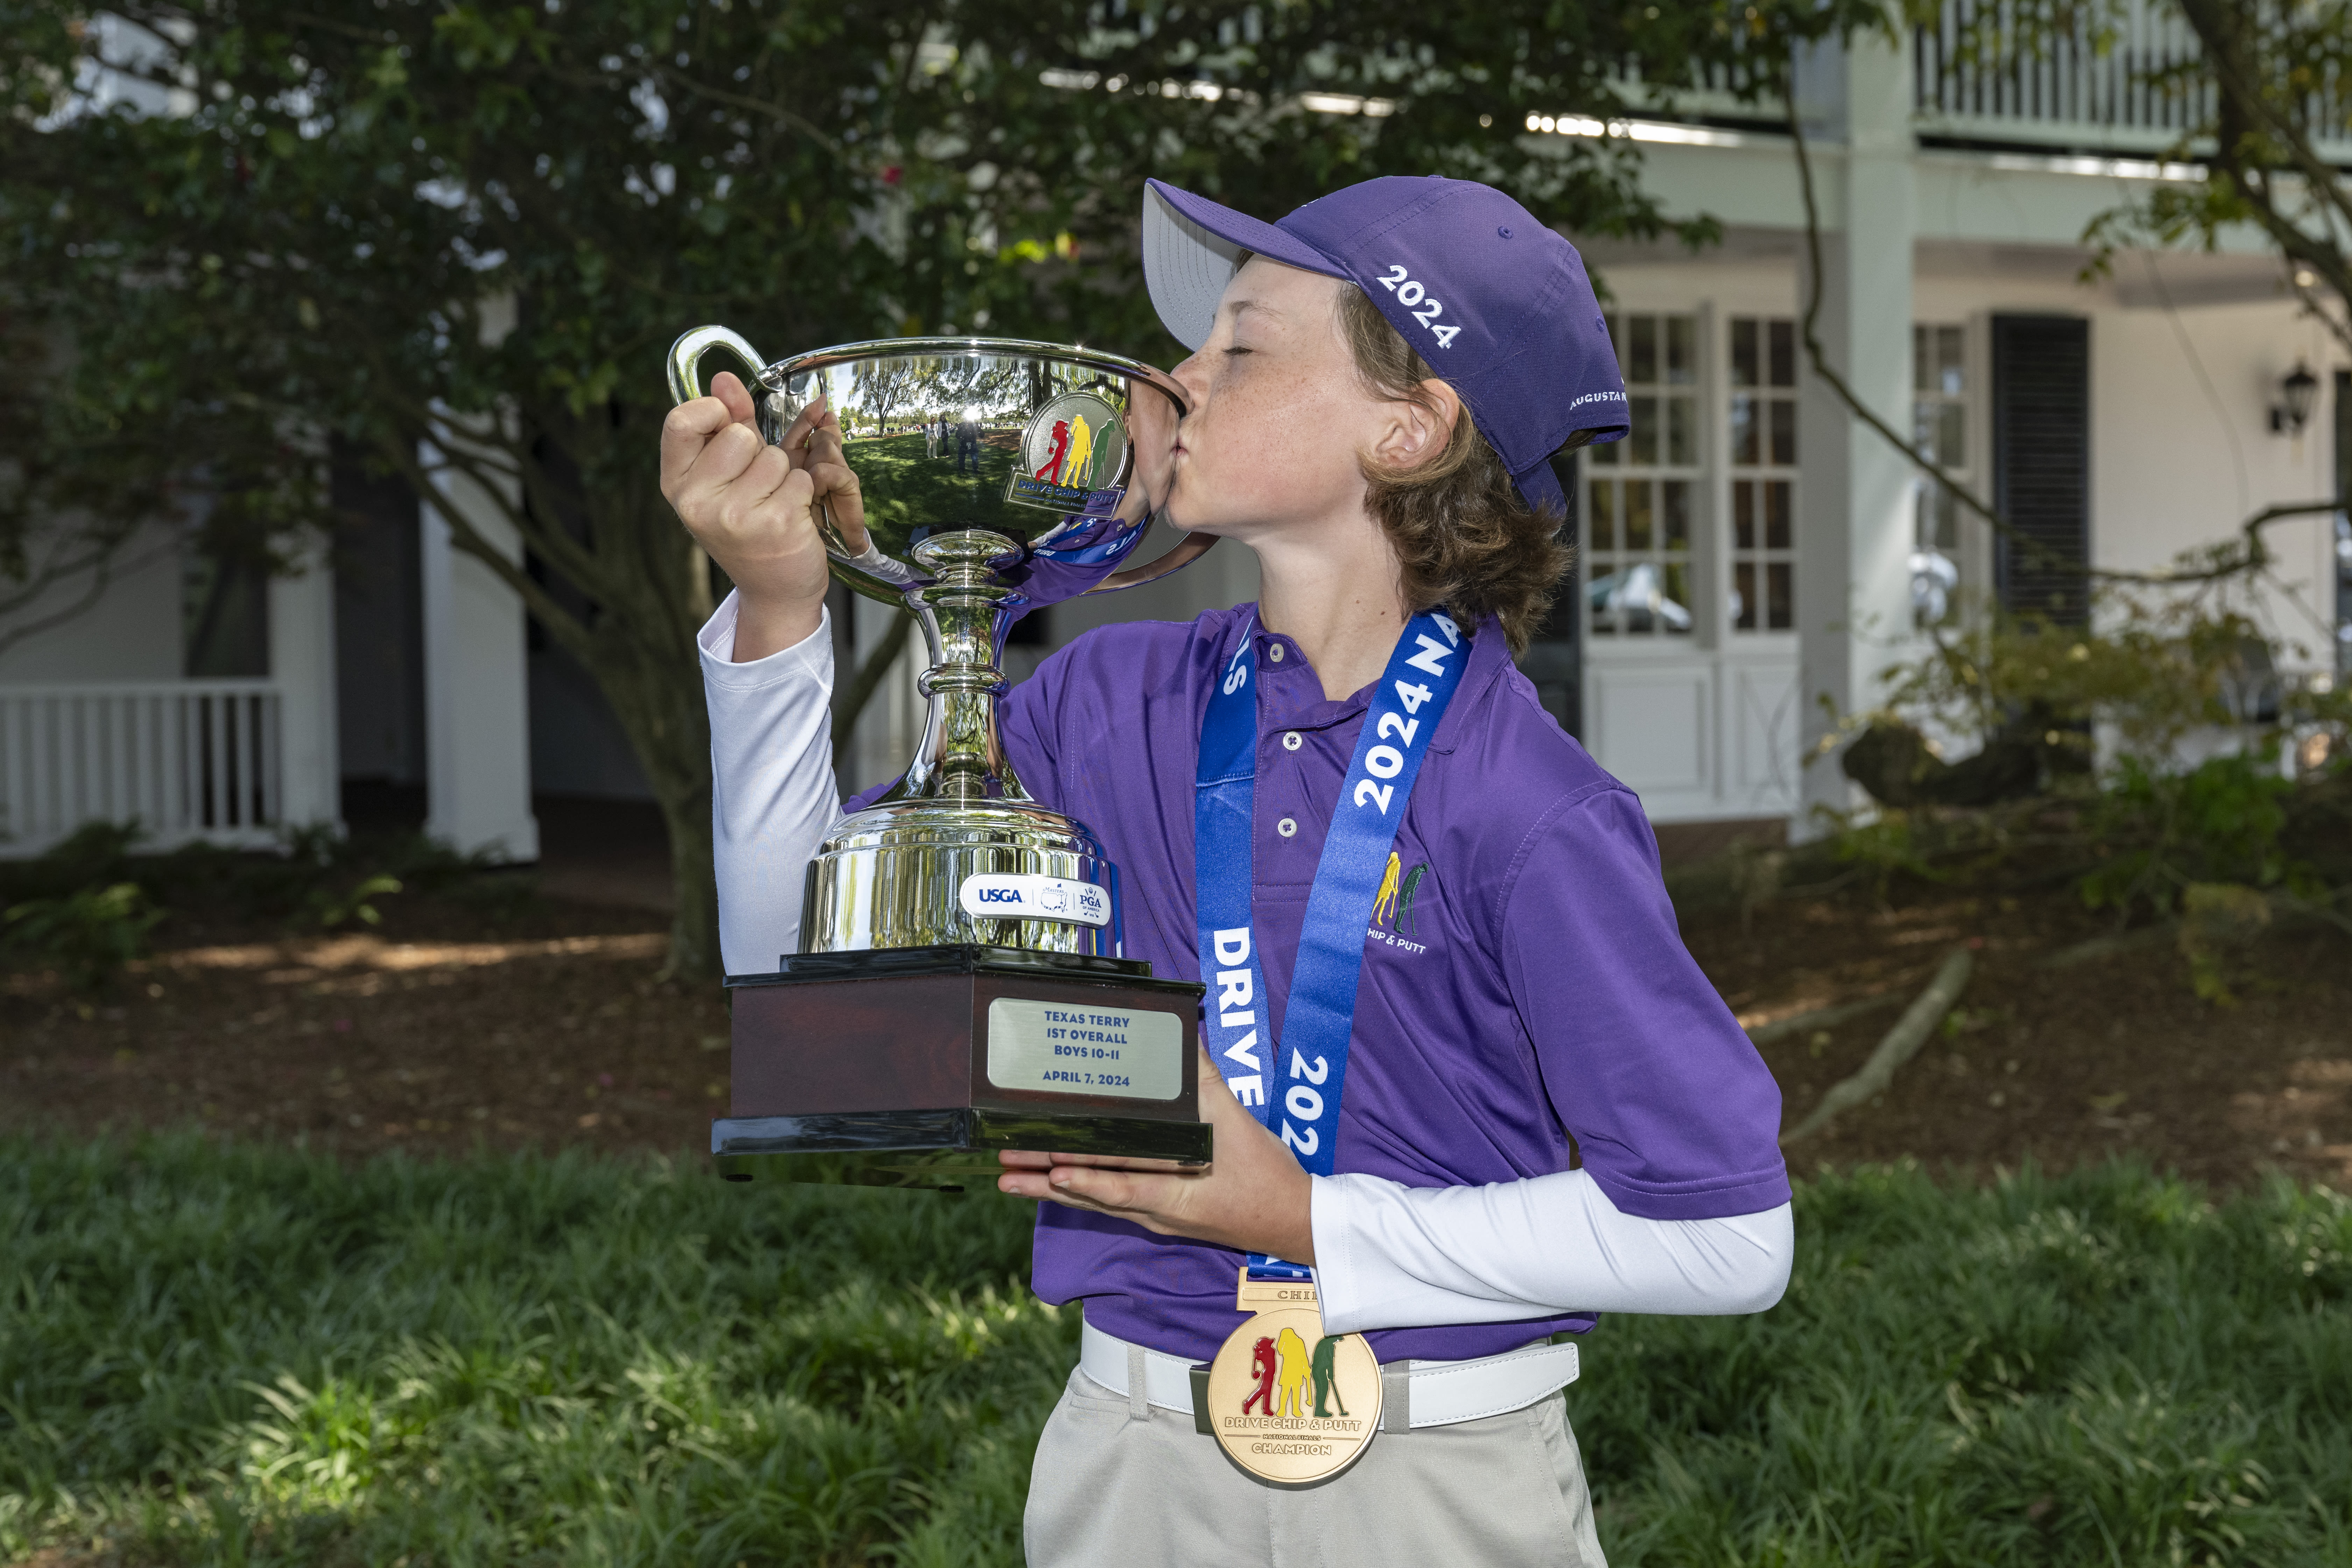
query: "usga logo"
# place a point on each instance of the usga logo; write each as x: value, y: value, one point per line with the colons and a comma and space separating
x: 1006, y: 896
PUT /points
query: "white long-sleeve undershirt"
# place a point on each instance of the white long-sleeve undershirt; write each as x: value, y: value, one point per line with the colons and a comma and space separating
x: 771, y: 790
x: 1387, y: 1256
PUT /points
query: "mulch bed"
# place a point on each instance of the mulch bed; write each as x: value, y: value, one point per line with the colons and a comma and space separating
x: 2113, y: 1057
x: 546, y: 1025
x: 442, y: 1029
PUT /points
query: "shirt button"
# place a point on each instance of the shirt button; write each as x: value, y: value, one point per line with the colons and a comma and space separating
x: 1274, y: 653
x: 1288, y: 827
x: 1291, y: 740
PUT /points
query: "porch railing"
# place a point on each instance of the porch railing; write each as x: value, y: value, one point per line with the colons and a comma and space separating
x: 1986, y: 72
x: 189, y: 761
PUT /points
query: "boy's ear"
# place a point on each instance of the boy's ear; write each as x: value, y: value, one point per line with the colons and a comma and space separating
x: 1417, y: 428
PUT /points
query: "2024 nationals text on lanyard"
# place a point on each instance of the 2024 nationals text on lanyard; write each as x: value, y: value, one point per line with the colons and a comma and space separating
x: 1286, y: 1401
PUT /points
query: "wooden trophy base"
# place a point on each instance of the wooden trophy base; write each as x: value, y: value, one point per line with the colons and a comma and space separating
x: 912, y: 1067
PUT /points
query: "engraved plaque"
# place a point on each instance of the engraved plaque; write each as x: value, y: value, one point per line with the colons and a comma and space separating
x: 1067, y: 1047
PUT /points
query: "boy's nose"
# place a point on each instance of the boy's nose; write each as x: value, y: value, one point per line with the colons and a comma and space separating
x: 1193, y: 378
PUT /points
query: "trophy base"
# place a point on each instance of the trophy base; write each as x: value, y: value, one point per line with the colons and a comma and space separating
x: 912, y: 1067
x: 946, y: 1151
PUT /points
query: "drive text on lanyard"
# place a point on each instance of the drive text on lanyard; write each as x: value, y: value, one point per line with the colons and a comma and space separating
x: 1292, y: 1079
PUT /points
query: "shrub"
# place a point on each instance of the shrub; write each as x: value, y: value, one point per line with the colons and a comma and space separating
x: 2157, y: 834
x: 87, y: 935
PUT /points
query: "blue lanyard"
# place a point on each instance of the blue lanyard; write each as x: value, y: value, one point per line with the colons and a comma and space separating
x: 1293, y: 1088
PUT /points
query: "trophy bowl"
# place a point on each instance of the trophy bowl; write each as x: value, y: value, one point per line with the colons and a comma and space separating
x: 961, y: 987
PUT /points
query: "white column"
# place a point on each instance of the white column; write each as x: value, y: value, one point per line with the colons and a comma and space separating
x: 302, y: 667
x: 1854, y: 529
x: 477, y: 690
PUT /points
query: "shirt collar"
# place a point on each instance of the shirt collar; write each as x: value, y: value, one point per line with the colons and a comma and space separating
x: 1290, y: 694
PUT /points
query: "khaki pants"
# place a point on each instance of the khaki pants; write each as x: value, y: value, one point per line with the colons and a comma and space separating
x: 1122, y: 1486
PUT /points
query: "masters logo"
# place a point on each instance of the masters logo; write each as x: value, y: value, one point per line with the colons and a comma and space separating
x: 1073, y: 455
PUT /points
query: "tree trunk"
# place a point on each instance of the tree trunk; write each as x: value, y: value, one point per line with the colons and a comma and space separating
x: 654, y: 686
x: 694, y: 930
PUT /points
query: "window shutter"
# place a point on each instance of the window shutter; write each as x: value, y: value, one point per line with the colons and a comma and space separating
x: 2041, y: 464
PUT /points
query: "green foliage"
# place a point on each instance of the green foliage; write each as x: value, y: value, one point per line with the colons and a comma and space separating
x: 480, y: 225
x: 909, y: 485
x: 214, y: 1354
x: 1884, y: 845
x: 88, y: 935
x: 2158, y: 834
x: 319, y: 881
x: 357, y: 904
x: 2155, y: 669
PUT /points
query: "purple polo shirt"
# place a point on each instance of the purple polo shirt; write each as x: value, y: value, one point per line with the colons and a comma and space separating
x: 1532, y: 1001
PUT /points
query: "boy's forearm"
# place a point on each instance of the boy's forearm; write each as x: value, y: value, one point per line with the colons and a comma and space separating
x: 773, y: 796
x: 1390, y: 1256
x: 767, y: 627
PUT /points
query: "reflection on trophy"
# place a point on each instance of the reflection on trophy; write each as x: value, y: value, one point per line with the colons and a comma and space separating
x: 961, y: 987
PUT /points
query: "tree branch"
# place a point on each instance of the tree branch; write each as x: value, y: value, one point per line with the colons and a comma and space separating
x: 2254, y: 557
x: 560, y: 623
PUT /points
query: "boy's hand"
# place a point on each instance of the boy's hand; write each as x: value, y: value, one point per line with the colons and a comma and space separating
x: 1255, y: 1195
x: 750, y: 506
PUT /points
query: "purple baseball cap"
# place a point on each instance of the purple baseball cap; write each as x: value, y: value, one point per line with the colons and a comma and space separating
x: 1496, y: 302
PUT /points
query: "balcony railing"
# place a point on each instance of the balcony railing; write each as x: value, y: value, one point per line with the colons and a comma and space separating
x: 190, y: 761
x: 1987, y: 72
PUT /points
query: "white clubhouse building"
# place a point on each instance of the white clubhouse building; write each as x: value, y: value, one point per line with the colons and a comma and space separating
x: 1750, y: 559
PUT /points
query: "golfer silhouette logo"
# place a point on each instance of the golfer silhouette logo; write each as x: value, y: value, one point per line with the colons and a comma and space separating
x: 1296, y: 1370
x: 1262, y: 1367
x: 1327, y: 1380
x: 1052, y: 472
x: 1073, y: 457
x: 1384, y: 906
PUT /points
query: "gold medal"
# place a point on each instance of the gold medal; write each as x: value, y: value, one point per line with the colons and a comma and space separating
x: 1290, y: 1403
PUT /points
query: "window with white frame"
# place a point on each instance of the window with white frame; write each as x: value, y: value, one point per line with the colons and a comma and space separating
x: 1640, y: 494
x: 1762, y: 465
x: 1940, y: 425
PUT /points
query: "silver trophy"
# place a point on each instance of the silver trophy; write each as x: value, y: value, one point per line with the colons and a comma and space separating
x: 961, y: 987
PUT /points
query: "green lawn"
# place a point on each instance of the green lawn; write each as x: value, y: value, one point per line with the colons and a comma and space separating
x: 902, y: 487
x: 250, y: 1355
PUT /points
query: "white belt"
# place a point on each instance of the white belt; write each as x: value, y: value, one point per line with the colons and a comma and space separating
x: 1414, y: 1393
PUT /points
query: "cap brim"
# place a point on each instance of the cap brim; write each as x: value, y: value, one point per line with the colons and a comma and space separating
x: 1190, y: 245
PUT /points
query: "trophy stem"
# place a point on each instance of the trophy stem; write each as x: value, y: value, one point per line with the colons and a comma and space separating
x: 964, y: 619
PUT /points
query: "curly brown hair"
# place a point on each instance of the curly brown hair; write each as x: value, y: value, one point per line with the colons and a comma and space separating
x: 1463, y: 538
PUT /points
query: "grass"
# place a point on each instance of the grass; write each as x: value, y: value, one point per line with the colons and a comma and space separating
x: 247, y: 1355
x: 904, y: 489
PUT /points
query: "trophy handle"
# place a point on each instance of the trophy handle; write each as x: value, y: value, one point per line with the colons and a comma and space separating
x: 685, y: 386
x: 686, y: 356
x: 1189, y: 549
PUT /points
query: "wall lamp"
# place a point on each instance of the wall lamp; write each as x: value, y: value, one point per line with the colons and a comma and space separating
x: 2298, y: 391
